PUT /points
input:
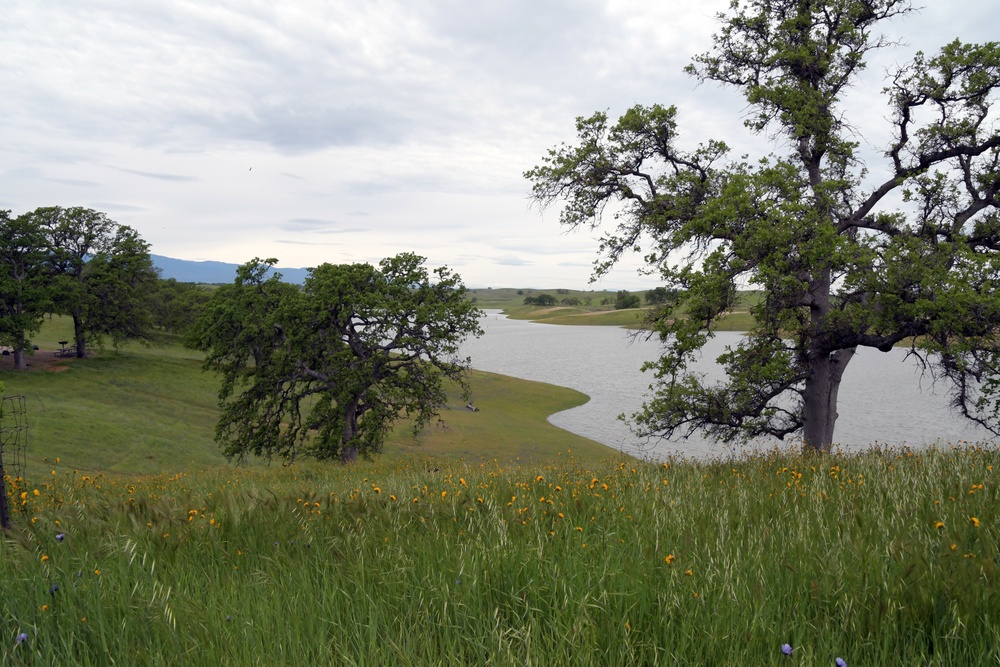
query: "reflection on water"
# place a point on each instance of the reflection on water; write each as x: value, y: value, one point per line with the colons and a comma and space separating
x: 883, y: 399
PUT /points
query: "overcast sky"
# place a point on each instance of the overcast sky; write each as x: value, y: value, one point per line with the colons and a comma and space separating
x: 343, y: 131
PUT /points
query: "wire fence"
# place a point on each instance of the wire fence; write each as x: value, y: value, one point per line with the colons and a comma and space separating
x: 13, y: 445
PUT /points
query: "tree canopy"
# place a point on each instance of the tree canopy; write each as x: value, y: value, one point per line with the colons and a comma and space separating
x: 845, y: 256
x: 326, y: 371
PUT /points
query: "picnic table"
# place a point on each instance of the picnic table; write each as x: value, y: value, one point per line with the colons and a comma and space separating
x: 64, y: 349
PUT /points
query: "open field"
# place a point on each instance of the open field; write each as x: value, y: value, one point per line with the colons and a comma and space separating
x: 879, y: 559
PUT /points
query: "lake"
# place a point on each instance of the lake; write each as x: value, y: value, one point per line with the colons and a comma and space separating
x: 883, y: 399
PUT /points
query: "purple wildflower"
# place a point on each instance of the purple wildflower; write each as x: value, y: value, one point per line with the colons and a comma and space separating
x: 841, y: 662
x: 786, y: 649
x: 60, y: 536
x: 55, y: 587
x: 229, y: 618
x: 23, y: 637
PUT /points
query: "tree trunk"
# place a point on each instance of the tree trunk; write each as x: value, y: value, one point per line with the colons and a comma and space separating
x: 80, y: 336
x: 819, y: 409
x: 20, y: 361
x: 348, y: 448
x: 826, y: 368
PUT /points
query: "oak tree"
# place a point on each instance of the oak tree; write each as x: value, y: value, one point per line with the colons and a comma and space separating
x: 845, y: 255
x: 327, y: 370
x: 101, y: 273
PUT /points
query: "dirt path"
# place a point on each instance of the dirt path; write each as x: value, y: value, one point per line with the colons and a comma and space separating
x: 41, y: 360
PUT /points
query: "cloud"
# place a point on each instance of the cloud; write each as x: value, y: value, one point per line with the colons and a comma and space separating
x: 510, y: 260
x: 75, y: 182
x: 309, y: 223
x: 108, y: 206
x: 293, y: 242
x: 318, y: 226
x: 176, y: 178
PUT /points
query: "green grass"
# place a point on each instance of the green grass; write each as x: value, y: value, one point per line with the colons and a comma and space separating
x: 138, y: 411
x: 511, y: 425
x: 881, y: 558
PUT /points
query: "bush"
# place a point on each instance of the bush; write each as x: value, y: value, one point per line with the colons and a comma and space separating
x: 626, y: 300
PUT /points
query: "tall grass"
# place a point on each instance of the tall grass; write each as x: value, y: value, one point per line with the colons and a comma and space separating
x: 882, y: 558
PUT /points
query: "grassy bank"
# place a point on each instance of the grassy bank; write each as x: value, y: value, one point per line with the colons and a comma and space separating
x: 887, y: 559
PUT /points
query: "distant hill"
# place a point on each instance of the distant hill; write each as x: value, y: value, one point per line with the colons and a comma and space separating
x: 187, y: 271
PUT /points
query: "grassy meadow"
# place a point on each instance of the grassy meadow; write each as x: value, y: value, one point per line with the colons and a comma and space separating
x: 493, y: 539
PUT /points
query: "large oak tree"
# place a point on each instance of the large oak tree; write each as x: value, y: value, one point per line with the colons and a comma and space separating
x: 846, y: 256
x: 327, y: 370
x: 101, y: 273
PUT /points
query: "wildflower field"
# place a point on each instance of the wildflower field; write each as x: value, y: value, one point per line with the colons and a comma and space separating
x: 883, y: 558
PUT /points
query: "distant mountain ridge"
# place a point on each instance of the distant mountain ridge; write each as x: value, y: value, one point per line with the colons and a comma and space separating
x: 188, y: 271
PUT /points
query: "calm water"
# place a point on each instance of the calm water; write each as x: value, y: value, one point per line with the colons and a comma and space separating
x: 883, y: 399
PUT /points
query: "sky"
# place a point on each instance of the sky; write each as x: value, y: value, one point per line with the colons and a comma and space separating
x: 342, y: 131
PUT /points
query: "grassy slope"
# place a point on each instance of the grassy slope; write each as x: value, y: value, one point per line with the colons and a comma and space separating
x: 150, y: 410
x: 510, y: 424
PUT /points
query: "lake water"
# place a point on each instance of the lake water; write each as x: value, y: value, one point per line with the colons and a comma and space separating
x: 883, y: 399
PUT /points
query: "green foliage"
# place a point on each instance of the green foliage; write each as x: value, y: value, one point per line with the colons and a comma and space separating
x: 174, y: 307
x: 540, y: 300
x: 838, y: 264
x: 660, y: 295
x: 327, y: 370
